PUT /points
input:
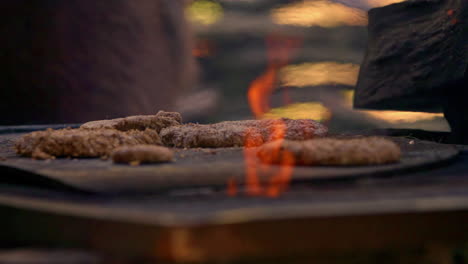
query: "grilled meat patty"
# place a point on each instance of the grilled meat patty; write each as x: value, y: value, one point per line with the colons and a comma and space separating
x: 240, y: 133
x: 81, y: 142
x: 331, y: 151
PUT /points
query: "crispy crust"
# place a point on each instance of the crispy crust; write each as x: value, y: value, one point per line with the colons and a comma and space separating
x: 81, y: 142
x: 141, y: 122
x: 332, y: 151
x: 135, y: 155
x: 237, y: 133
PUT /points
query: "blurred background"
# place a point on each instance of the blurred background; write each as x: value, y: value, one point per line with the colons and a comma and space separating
x: 301, y: 57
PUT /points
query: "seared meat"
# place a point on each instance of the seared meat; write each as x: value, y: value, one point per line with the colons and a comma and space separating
x: 141, y: 122
x: 240, y: 133
x: 331, y: 151
x: 81, y: 142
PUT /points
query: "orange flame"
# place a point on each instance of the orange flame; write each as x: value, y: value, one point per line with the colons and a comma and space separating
x: 279, y: 51
x: 260, y: 91
x: 279, y: 179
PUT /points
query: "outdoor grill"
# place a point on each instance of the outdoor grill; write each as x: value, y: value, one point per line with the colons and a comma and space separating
x: 202, y: 207
x: 181, y: 211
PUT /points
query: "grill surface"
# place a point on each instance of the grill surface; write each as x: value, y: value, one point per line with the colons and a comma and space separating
x: 199, y: 222
x: 204, y: 167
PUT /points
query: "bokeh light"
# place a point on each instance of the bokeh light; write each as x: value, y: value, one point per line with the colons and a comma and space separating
x: 394, y: 117
x: 310, y: 110
x: 319, y: 13
x: 320, y: 73
x: 204, y: 12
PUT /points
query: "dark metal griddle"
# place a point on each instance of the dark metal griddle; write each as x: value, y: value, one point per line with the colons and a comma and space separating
x: 204, y: 167
x: 192, y: 219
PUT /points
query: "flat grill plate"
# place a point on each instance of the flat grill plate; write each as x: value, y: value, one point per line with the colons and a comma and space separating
x: 202, y: 167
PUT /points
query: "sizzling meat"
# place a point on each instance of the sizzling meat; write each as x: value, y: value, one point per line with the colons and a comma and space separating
x: 81, y: 142
x: 236, y: 133
x: 331, y: 151
x: 159, y: 121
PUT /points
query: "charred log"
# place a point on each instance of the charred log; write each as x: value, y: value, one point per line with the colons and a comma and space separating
x: 417, y: 54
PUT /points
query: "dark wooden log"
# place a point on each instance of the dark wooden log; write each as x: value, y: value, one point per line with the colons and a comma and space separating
x: 74, y: 61
x: 417, y: 56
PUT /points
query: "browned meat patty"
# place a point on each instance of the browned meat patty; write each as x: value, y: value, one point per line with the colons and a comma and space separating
x: 134, y: 155
x: 81, y: 142
x: 236, y: 133
x: 331, y: 151
x: 159, y: 121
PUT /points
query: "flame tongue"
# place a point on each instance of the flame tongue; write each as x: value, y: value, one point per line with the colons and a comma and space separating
x: 279, y: 178
x: 253, y: 186
x: 260, y: 91
x: 279, y: 51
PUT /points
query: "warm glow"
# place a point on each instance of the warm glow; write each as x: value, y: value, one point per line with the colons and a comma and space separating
x: 402, y: 116
x: 204, y: 12
x: 260, y: 91
x: 311, y: 110
x: 394, y: 117
x: 279, y: 180
x: 319, y: 13
x: 279, y: 52
x: 379, y: 3
x: 321, y: 73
